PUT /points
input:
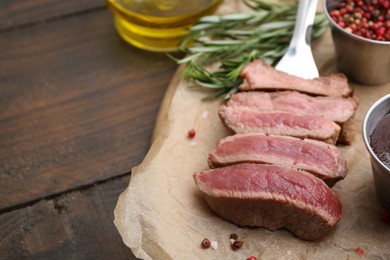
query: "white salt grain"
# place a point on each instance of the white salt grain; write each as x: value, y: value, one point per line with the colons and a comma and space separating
x: 289, y: 253
x: 214, y: 245
x: 205, y: 114
x: 193, y: 143
x: 231, y: 241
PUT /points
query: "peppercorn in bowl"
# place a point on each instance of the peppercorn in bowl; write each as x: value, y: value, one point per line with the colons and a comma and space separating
x: 361, y: 36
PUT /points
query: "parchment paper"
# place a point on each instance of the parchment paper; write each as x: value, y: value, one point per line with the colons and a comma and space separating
x: 161, y: 215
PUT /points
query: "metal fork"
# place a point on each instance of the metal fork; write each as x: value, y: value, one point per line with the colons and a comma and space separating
x: 298, y: 60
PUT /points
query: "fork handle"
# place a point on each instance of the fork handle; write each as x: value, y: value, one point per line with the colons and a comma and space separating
x: 305, y: 18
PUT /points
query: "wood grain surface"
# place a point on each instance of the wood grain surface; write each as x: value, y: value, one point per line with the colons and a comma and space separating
x: 75, y: 225
x: 18, y: 13
x: 74, y: 102
x: 77, y: 111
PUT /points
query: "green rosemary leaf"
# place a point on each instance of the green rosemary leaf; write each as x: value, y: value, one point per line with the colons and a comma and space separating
x: 276, y: 25
x: 320, y: 18
x: 215, y: 94
x: 237, y: 16
x: 201, y: 26
x: 233, y: 40
x: 231, y: 91
x: 201, y: 49
x: 209, y: 19
x: 222, y: 42
x: 258, y: 5
x: 258, y: 18
x: 189, y: 58
x: 209, y: 85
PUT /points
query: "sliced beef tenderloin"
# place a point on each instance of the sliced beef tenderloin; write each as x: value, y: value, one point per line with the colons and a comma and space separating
x: 323, y: 160
x: 271, y: 196
x: 247, y: 120
x: 258, y: 75
x: 338, y: 109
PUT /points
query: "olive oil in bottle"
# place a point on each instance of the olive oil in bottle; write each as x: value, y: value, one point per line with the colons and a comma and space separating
x: 158, y: 25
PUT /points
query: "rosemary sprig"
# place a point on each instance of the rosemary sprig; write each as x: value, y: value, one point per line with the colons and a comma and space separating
x: 233, y: 40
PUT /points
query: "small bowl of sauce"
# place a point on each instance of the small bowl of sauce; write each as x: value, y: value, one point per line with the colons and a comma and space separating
x: 376, y: 136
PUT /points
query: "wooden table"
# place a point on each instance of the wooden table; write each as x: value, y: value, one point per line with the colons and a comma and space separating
x: 77, y: 109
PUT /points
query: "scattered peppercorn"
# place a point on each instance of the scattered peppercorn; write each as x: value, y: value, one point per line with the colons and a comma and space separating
x: 366, y: 18
x: 191, y: 133
x: 359, y: 251
x: 237, y: 244
x: 233, y: 236
x: 385, y: 216
x: 252, y: 258
x: 205, y: 243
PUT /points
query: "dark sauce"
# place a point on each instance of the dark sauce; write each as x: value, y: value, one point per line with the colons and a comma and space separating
x: 380, y: 140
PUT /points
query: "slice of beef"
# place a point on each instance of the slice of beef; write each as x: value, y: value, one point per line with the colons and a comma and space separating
x: 271, y: 196
x: 322, y: 160
x: 338, y: 109
x: 246, y: 120
x: 258, y: 75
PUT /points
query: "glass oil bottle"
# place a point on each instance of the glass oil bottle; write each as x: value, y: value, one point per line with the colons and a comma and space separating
x: 158, y: 25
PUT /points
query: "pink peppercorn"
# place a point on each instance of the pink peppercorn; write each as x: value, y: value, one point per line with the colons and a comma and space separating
x: 252, y: 258
x: 205, y: 243
x: 365, y: 18
x: 191, y: 133
x: 359, y: 251
x: 237, y: 244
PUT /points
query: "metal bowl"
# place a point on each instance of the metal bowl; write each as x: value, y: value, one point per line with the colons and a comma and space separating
x: 380, y: 171
x: 363, y: 60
